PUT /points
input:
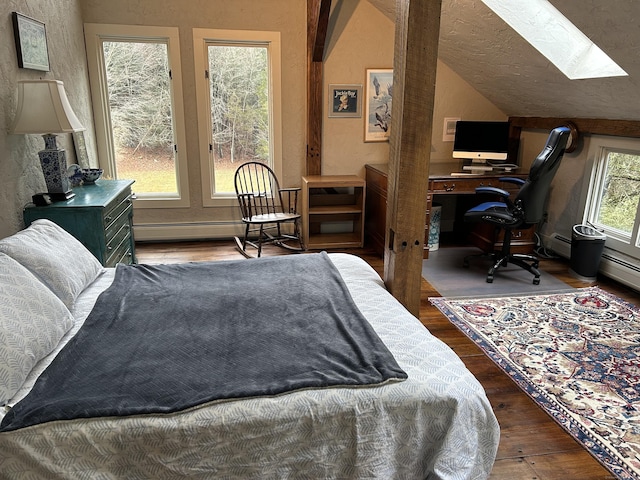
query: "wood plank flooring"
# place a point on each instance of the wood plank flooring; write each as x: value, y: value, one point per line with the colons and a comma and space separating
x: 532, y: 445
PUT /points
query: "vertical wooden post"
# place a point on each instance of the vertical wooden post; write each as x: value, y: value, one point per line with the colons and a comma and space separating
x: 317, y: 22
x: 414, y: 78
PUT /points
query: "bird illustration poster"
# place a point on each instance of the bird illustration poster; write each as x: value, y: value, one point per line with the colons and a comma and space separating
x: 378, y: 105
x: 345, y: 100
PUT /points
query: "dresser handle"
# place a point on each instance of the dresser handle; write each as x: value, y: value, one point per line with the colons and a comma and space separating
x: 450, y: 188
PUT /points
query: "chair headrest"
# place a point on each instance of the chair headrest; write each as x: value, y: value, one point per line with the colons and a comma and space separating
x: 551, y: 154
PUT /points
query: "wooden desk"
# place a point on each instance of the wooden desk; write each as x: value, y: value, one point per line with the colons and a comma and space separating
x: 481, y: 235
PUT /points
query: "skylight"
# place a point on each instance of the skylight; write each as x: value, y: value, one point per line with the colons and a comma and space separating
x: 555, y: 37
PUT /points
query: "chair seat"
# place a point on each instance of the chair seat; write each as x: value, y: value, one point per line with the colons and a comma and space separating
x: 272, y: 217
x: 497, y: 213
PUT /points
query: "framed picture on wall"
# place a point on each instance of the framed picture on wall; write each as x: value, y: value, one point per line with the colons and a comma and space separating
x: 379, y: 93
x: 31, y: 43
x: 345, y: 101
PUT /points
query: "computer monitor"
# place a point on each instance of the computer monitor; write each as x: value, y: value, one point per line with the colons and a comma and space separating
x: 481, y: 141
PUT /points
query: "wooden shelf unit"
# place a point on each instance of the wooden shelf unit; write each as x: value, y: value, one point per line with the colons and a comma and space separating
x: 333, y: 211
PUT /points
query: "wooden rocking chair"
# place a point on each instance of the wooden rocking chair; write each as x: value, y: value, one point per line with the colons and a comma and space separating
x: 263, y: 210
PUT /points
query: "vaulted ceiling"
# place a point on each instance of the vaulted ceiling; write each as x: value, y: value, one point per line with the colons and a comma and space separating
x: 501, y: 65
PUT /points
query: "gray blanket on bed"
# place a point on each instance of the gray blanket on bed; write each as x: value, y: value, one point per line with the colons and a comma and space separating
x: 168, y: 337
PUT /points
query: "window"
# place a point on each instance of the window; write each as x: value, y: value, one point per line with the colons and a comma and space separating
x: 238, y: 97
x: 555, y: 37
x: 614, y: 192
x: 136, y: 82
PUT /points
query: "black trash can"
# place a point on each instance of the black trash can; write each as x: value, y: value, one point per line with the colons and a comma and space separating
x: 587, y: 245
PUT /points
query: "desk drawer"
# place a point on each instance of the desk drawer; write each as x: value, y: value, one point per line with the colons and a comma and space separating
x: 489, y: 239
x: 468, y: 185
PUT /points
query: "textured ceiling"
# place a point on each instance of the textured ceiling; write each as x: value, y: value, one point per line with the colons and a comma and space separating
x: 502, y: 66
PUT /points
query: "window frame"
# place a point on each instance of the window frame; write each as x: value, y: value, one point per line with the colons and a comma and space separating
x: 599, y: 148
x: 95, y: 35
x: 202, y: 37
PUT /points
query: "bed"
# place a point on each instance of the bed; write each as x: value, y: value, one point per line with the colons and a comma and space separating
x: 434, y: 422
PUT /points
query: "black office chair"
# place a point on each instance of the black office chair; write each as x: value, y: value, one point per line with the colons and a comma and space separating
x: 266, y: 209
x: 525, y: 210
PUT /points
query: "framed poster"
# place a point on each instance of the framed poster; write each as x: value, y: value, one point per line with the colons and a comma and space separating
x: 31, y: 43
x: 345, y: 101
x: 379, y: 93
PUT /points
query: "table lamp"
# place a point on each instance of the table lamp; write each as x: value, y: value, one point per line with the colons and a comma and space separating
x: 43, y: 108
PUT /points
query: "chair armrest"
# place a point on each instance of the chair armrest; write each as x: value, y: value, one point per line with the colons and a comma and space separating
x: 515, y: 180
x: 493, y: 190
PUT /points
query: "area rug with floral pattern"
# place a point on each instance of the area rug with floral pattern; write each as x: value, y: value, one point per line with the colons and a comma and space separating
x: 576, y: 354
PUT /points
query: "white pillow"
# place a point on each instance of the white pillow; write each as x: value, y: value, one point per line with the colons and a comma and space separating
x: 59, y: 261
x: 32, y: 322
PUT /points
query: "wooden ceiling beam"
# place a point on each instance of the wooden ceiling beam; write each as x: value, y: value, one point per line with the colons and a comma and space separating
x: 595, y: 126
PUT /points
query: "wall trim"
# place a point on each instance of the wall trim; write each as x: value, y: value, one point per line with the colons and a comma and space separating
x: 613, y: 264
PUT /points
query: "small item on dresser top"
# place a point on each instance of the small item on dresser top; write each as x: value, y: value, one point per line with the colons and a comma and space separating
x: 41, y: 199
x: 90, y: 175
x: 74, y: 172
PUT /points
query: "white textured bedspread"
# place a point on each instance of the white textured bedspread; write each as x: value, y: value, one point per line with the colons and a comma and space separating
x: 436, y: 424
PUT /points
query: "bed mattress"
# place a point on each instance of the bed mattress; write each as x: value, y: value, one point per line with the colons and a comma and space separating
x: 436, y: 424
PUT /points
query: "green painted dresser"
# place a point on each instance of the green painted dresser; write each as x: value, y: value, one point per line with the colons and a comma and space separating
x: 100, y: 216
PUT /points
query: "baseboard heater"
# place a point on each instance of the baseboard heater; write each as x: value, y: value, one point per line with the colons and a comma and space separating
x: 187, y: 231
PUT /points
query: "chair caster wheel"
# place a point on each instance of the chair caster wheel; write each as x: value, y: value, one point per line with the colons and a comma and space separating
x: 490, y: 279
x: 465, y: 263
x: 536, y: 281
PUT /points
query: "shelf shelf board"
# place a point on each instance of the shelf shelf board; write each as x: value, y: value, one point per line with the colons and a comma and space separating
x: 334, y: 240
x: 335, y: 209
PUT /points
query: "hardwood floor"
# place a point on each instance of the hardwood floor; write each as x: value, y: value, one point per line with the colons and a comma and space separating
x: 532, y: 445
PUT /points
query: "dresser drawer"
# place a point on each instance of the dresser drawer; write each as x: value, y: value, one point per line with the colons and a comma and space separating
x: 115, y: 226
x: 114, y: 211
x: 119, y: 246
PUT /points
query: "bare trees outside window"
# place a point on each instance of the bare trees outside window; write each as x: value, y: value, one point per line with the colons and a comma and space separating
x: 239, y: 98
x: 139, y: 91
x: 238, y: 92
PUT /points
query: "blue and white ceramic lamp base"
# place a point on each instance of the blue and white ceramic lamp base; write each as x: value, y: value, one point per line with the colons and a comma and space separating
x: 54, y: 167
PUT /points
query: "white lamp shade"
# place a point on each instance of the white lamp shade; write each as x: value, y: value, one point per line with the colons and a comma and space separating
x: 43, y: 107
